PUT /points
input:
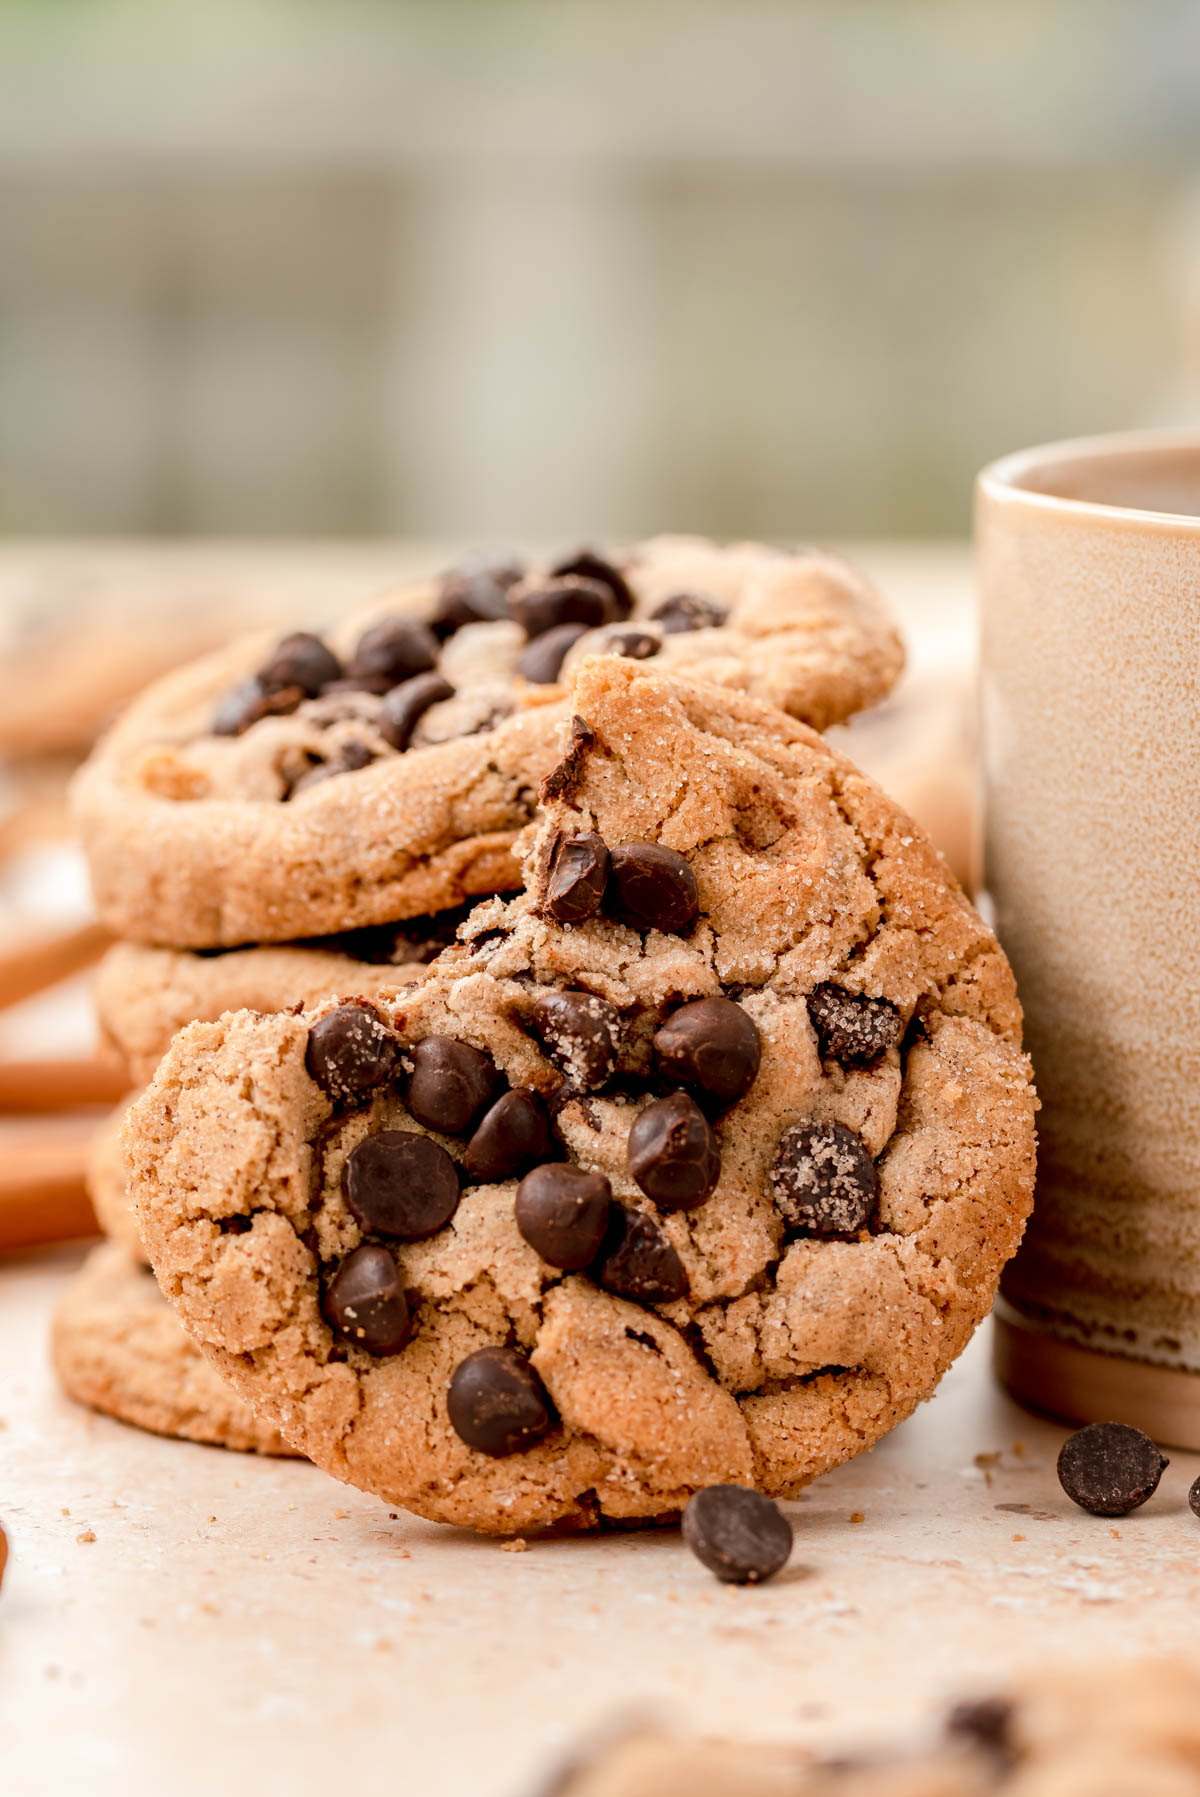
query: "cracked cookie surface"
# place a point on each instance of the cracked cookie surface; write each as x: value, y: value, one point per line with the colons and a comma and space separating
x: 119, y: 1348
x: 281, y: 790
x: 676, y: 1279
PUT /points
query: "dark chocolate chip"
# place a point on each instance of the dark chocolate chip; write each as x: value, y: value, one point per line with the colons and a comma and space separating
x: 563, y: 1213
x: 579, y: 1032
x: 393, y: 651
x: 400, y: 1184
x: 689, y: 611
x: 405, y: 705
x: 474, y: 591
x: 577, y: 877
x: 569, y: 601
x: 450, y: 1084
x: 350, y: 1052
x: 637, y: 1261
x: 1109, y: 1468
x: 711, y: 1046
x: 351, y: 755
x: 1194, y: 1498
x: 654, y: 887
x: 563, y: 779
x: 741, y: 1536
x: 634, y: 645
x: 248, y: 703
x: 302, y: 660
x: 853, y: 1030
x: 511, y: 1134
x: 366, y: 1303
x: 984, y: 1721
x: 541, y: 663
x: 673, y: 1153
x: 587, y: 564
x: 824, y: 1180
x: 497, y: 1403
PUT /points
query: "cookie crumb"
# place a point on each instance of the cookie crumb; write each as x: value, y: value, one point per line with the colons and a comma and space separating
x: 340, y: 1515
x: 1016, y: 1538
x: 87, y: 1535
x: 516, y: 1545
x: 858, y: 1516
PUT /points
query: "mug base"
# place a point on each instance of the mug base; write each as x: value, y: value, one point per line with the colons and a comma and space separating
x: 1084, y: 1385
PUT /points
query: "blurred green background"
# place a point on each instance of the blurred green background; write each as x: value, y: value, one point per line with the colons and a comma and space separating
x: 537, y: 269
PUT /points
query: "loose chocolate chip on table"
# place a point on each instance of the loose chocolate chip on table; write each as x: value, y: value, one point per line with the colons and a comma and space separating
x: 497, y: 1403
x: 591, y: 566
x: 350, y: 756
x: 366, y: 1303
x: 400, y: 1184
x: 673, y: 1153
x: 579, y: 1032
x: 577, y: 877
x: 350, y: 1052
x: 689, y: 611
x: 450, y: 1084
x: 392, y: 651
x: 654, y: 887
x: 741, y: 1536
x: 637, y: 1261
x: 302, y: 660
x: 852, y: 1029
x: 248, y: 703
x: 562, y: 1211
x: 569, y: 601
x: 986, y: 1721
x: 634, y: 645
x: 541, y: 663
x: 407, y: 703
x: 511, y: 1134
x: 712, y: 1046
x: 824, y: 1180
x: 1109, y: 1468
x: 1194, y: 1498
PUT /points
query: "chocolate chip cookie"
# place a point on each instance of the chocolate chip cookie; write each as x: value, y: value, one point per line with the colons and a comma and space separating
x: 118, y: 1347
x: 694, y: 1164
x: 293, y: 787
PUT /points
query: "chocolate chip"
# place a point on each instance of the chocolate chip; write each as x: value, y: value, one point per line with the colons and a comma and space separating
x: 302, y: 660
x: 1109, y: 1468
x: 580, y: 1033
x: 562, y: 780
x: 634, y: 645
x: 637, y: 1261
x: 689, y: 611
x: 712, y: 1046
x: 590, y: 566
x: 406, y: 704
x: 400, y: 1184
x: 497, y: 1403
x: 654, y: 888
x: 577, y: 877
x: 393, y: 651
x: 541, y: 663
x: 673, y: 1153
x: 248, y: 703
x: 570, y: 601
x: 474, y: 591
x: 986, y: 1722
x: 450, y: 1084
x: 853, y: 1030
x: 514, y: 1132
x: 366, y: 1303
x: 351, y: 755
x: 740, y: 1535
x: 350, y: 1052
x: 563, y: 1213
x: 1194, y: 1498
x: 824, y: 1180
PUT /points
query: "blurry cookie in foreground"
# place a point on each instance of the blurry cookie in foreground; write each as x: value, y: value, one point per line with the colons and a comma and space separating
x: 294, y: 787
x: 1105, y: 1731
x: 695, y: 1164
x: 118, y: 1347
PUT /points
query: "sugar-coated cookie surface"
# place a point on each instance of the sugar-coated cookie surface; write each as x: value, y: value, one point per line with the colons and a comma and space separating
x: 119, y: 1348
x: 696, y: 1163
x: 294, y: 788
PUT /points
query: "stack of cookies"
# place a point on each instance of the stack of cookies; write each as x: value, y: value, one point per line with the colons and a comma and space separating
x: 568, y: 1082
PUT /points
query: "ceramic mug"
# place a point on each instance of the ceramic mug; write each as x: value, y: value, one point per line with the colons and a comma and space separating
x: 1089, y: 564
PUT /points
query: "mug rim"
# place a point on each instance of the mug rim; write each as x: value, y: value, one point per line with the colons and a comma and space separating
x: 1001, y: 480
